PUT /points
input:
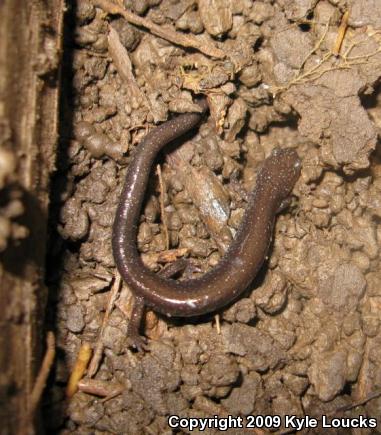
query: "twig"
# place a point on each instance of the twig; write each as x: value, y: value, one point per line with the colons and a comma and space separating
x: 40, y: 382
x: 321, y: 73
x: 317, y: 45
x: 94, y: 364
x: 218, y: 323
x: 361, y: 402
x: 301, y: 76
x: 165, y: 33
x: 345, y: 62
x: 97, y: 387
x: 341, y: 33
x: 363, y: 56
x: 79, y: 369
x: 123, y: 65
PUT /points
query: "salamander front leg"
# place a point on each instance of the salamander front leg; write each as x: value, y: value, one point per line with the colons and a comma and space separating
x: 136, y: 340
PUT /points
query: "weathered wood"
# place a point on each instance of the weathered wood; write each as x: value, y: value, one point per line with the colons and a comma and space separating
x: 30, y: 46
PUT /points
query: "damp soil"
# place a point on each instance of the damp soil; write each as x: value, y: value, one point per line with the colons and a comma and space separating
x: 305, y: 337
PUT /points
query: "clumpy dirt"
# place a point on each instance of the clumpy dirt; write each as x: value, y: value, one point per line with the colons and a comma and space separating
x: 305, y: 338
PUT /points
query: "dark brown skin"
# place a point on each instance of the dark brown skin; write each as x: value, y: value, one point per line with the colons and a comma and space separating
x: 236, y: 269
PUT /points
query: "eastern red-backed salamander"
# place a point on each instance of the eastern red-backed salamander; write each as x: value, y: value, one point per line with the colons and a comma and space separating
x: 241, y: 262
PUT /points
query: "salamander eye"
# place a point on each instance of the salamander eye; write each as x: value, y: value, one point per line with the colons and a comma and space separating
x: 276, y: 151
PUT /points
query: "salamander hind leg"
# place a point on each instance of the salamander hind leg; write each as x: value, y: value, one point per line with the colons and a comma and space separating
x: 135, y: 339
x: 284, y: 205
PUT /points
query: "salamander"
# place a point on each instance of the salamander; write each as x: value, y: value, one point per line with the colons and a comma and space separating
x: 238, y: 266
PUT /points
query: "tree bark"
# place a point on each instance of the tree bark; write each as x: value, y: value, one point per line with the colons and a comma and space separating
x: 30, y: 48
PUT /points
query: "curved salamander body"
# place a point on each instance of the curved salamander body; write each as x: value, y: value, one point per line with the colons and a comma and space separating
x: 236, y: 269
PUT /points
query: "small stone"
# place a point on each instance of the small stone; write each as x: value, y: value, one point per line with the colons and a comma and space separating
x: 75, y: 318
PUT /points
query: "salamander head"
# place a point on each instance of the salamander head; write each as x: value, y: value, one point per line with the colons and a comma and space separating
x: 281, y: 170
